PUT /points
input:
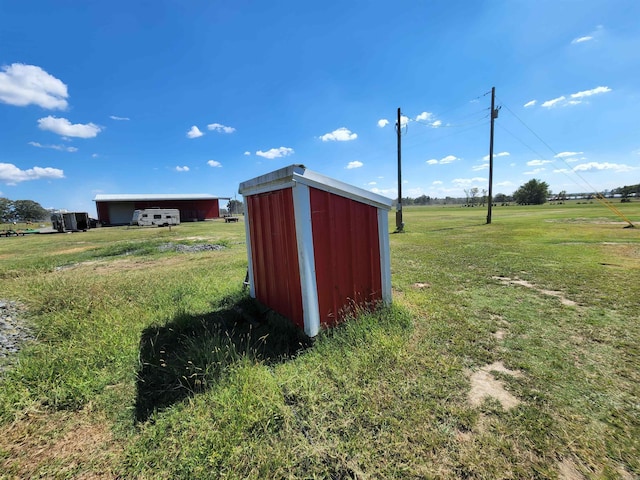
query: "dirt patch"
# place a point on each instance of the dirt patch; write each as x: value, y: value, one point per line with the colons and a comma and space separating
x: 79, y: 446
x: 524, y: 283
x: 421, y: 285
x: 567, y: 470
x: 76, y: 249
x: 499, y: 334
x: 484, y: 384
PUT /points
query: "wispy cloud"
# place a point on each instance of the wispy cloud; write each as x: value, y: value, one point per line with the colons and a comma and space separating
x: 23, y: 85
x: 482, y: 166
x: 575, y: 98
x: 383, y: 122
x: 182, y: 169
x: 11, y: 175
x: 194, y: 132
x: 354, y: 164
x: 582, y: 39
x: 442, y: 161
x: 500, y: 154
x: 568, y: 154
x: 218, y: 127
x: 62, y: 126
x: 599, y: 166
x: 120, y: 119
x: 530, y: 103
x: 424, y: 116
x: 214, y: 163
x: 468, y: 181
x: 276, y: 153
x: 61, y: 148
x: 341, y: 134
x: 247, y: 153
x: 538, y: 163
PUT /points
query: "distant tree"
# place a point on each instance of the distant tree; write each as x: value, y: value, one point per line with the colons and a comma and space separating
x: 422, y: 200
x: 6, y: 210
x: 474, y: 195
x: 235, y: 207
x: 500, y: 198
x: 534, y: 192
x: 28, y: 210
x: 467, y: 195
x: 484, y: 196
x: 406, y: 201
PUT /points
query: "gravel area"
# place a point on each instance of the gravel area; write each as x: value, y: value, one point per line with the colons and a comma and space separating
x: 13, y: 329
x: 200, y: 247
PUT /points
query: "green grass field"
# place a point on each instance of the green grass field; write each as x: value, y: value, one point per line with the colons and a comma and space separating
x: 512, y: 350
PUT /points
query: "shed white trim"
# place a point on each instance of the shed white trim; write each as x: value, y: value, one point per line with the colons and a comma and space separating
x: 385, y: 260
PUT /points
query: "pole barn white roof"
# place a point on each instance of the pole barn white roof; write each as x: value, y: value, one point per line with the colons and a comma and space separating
x: 134, y: 197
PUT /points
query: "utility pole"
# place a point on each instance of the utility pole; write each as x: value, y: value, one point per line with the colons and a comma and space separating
x: 494, y: 115
x: 399, y: 222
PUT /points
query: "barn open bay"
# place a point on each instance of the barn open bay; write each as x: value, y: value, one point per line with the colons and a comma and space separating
x: 511, y: 351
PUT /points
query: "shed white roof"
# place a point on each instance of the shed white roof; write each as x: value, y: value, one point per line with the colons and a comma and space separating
x: 289, y: 176
x: 136, y: 197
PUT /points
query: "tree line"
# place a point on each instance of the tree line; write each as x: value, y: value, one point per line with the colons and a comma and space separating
x: 21, y: 211
x: 533, y: 192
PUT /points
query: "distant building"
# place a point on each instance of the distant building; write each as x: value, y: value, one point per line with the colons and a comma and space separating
x: 117, y: 209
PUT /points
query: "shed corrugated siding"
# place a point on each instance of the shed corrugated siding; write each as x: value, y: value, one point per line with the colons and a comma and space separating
x: 347, y: 253
x: 274, y: 253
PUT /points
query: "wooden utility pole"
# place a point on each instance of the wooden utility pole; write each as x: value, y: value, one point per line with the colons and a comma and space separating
x: 399, y: 222
x: 494, y: 115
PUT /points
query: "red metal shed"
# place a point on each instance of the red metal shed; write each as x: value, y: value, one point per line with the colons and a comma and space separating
x: 316, y: 246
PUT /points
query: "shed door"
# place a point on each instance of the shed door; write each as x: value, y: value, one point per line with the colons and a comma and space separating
x: 274, y: 252
x: 347, y: 253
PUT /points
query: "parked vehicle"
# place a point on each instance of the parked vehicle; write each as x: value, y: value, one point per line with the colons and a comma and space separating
x: 162, y: 217
x: 70, y: 221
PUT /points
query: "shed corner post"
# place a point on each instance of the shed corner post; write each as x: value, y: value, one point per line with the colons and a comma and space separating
x: 252, y: 287
x: 306, y: 258
x: 385, y: 254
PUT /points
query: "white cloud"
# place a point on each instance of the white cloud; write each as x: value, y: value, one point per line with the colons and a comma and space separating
x: 182, y: 169
x: 437, y: 182
x: 276, y: 153
x: 575, y: 98
x: 530, y: 103
x: 342, y: 134
x: 582, y: 39
x: 551, y: 103
x: 220, y: 128
x: 597, y: 166
x: 568, y: 154
x: 61, y: 148
x: 354, y: 164
x: 23, y: 85
x: 538, y: 163
x: 10, y: 174
x: 383, y: 122
x: 387, y: 192
x: 194, y: 132
x: 588, y: 93
x: 62, y: 126
x: 214, y: 163
x: 424, y: 116
x: 468, y: 181
x: 113, y: 117
x: 442, y: 161
x: 95, y: 155
x: 480, y: 167
x: 246, y: 154
x: 535, y: 171
x: 501, y: 154
x: 372, y: 183
x: 404, y: 120
x: 436, y: 124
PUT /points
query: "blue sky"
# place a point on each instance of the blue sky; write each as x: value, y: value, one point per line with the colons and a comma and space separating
x: 196, y: 96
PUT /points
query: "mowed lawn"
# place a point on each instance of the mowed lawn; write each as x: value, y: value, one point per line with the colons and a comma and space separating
x: 511, y: 350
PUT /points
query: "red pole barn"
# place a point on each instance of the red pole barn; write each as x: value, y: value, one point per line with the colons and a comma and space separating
x: 317, y: 247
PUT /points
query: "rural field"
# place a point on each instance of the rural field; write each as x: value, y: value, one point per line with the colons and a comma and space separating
x: 511, y: 350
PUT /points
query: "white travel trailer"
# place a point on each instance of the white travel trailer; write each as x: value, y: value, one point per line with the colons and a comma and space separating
x: 162, y: 217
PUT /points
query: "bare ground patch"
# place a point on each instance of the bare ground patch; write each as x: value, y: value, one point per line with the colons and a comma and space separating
x: 59, y: 444
x: 484, y: 384
x: 524, y: 283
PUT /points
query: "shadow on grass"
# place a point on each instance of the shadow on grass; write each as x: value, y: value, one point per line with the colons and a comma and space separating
x: 189, y: 354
